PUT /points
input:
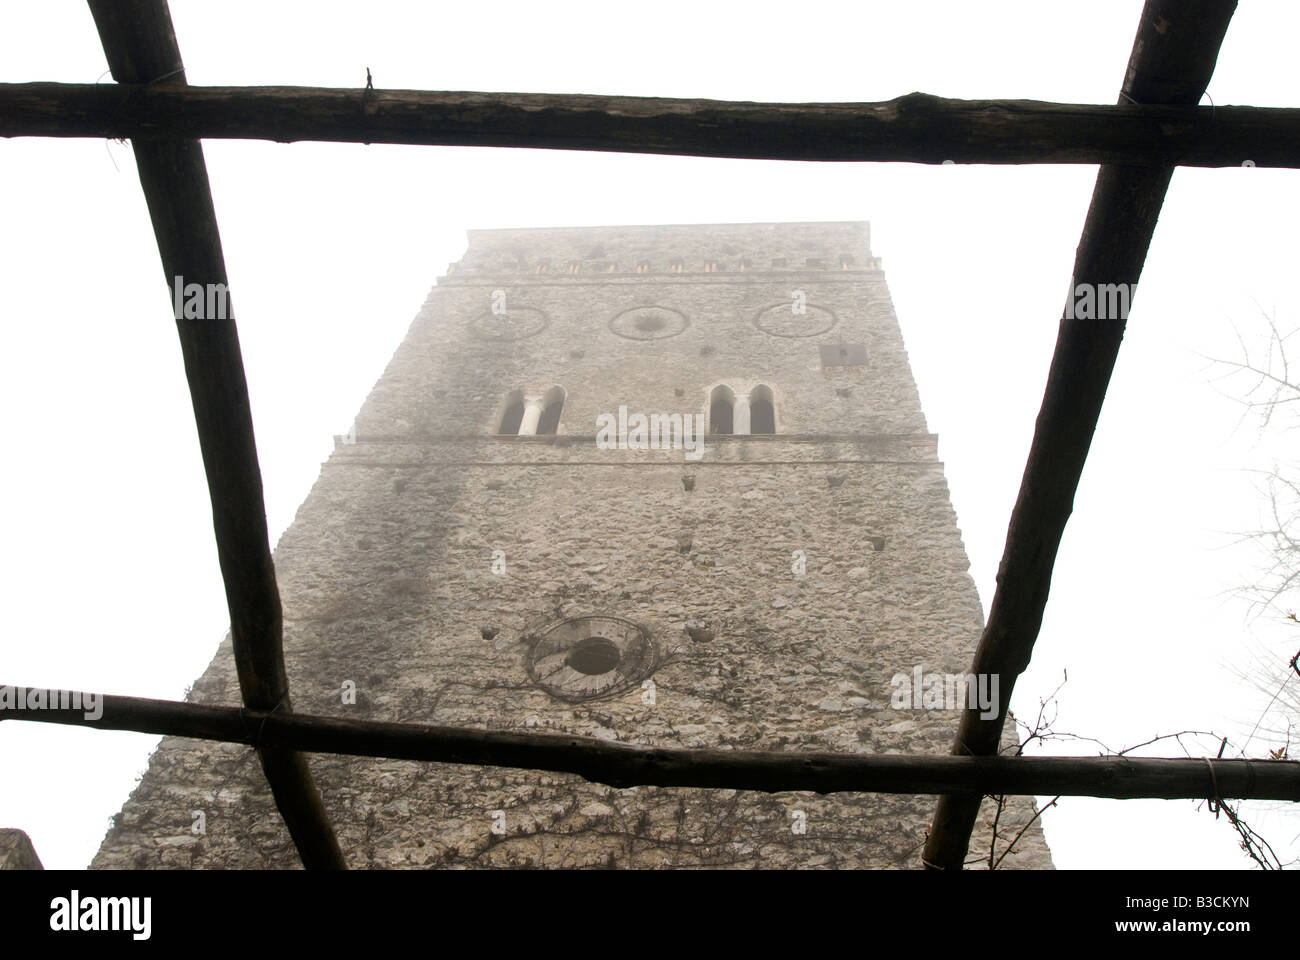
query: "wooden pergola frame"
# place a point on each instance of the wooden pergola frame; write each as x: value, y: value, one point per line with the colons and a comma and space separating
x: 1156, y: 125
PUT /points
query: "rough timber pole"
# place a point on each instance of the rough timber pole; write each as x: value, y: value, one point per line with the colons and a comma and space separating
x: 625, y: 765
x: 916, y: 128
x: 141, y: 47
x: 1173, y: 57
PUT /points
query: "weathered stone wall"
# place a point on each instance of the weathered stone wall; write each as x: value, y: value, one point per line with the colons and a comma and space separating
x: 17, y: 852
x: 460, y: 359
x: 431, y: 555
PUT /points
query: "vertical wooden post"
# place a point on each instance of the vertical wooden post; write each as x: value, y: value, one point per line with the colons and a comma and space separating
x: 141, y: 47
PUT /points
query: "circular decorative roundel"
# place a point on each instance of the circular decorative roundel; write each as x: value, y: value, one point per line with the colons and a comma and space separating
x: 794, y: 319
x: 649, y: 323
x: 517, y: 323
x: 591, y: 657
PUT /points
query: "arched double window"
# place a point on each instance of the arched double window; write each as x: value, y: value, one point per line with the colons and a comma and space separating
x: 528, y: 416
x: 741, y: 416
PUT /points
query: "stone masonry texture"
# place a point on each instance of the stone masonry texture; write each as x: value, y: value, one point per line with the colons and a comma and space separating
x: 17, y: 852
x: 773, y: 587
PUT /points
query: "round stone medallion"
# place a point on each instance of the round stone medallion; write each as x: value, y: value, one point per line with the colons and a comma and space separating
x: 649, y: 323
x: 794, y: 319
x: 587, y: 658
x: 516, y: 323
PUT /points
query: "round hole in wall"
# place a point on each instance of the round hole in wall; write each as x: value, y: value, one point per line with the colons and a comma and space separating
x: 593, y: 656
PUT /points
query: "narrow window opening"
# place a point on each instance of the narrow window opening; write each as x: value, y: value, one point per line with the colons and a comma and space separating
x: 762, y: 413
x: 552, y: 407
x: 513, y: 415
x: 722, y: 404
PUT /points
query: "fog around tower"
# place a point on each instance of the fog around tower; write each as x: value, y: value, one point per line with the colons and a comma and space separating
x: 110, y: 578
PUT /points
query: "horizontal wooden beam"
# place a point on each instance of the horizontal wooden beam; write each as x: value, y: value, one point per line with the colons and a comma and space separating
x: 916, y: 128
x: 625, y: 765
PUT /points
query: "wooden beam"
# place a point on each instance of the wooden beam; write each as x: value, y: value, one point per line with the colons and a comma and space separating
x: 916, y: 128
x: 1173, y: 58
x: 625, y: 765
x: 141, y: 48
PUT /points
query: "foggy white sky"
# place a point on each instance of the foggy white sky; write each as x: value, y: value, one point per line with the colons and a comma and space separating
x: 110, y: 580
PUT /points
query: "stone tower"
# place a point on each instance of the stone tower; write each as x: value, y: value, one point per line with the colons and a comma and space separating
x: 471, y: 555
